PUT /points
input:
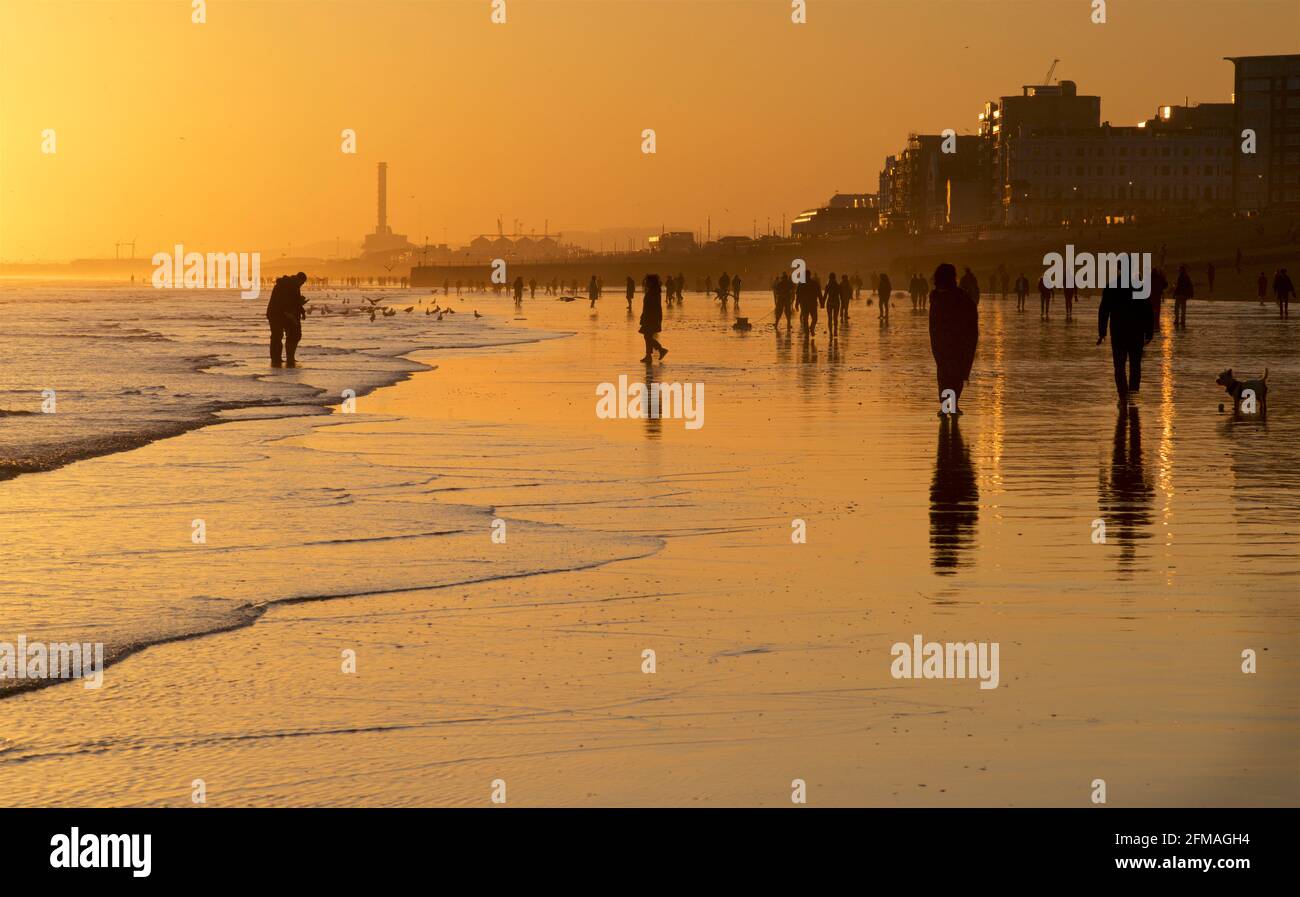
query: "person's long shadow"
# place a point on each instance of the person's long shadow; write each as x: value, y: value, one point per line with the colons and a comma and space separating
x: 954, y: 500
x: 1124, y: 495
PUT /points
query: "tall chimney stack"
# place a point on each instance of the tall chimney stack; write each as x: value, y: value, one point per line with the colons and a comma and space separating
x: 383, y: 199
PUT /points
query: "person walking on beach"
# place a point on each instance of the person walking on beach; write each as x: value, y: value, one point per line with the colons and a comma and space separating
x: 785, y: 298
x: 1182, y: 292
x: 1022, y: 291
x: 593, y: 290
x: 724, y: 290
x: 831, y: 302
x: 735, y: 289
x: 631, y: 291
x: 1044, y: 299
x: 284, y: 314
x: 1284, y: 290
x: 1132, y: 325
x: 883, y: 290
x: 807, y: 294
x: 954, y: 335
x: 652, y: 318
x: 532, y: 288
x: 971, y: 285
x: 519, y: 290
x: 1069, y: 294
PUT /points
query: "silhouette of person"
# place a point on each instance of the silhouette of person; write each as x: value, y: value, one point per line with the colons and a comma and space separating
x: 724, y: 289
x: 954, y: 497
x: 631, y: 291
x: 652, y: 318
x: 785, y: 298
x: 735, y: 289
x: 1284, y: 290
x: 519, y: 290
x: 1069, y: 294
x: 807, y: 294
x: 1044, y: 299
x: 1132, y: 325
x: 883, y: 291
x: 831, y: 302
x: 284, y: 314
x: 1182, y: 292
x: 1022, y: 291
x: 593, y: 290
x: 971, y: 285
x: 954, y: 333
x: 532, y: 288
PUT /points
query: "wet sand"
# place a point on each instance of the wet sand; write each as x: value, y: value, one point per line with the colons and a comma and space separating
x: 1119, y: 661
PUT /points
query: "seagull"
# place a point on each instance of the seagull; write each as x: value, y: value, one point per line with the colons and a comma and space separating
x: 476, y: 314
x: 409, y: 309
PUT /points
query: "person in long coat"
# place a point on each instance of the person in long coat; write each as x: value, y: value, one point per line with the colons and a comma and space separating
x: 954, y: 333
x: 652, y: 317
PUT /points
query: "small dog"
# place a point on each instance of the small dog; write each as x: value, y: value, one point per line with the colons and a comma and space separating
x: 1236, y: 387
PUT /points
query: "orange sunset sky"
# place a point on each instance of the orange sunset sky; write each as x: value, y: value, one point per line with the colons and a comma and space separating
x: 226, y: 135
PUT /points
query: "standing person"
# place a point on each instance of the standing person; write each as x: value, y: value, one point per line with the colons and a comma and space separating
x: 1284, y: 290
x: 1182, y: 292
x: 593, y: 290
x: 883, y: 290
x: 1022, y: 291
x: 1069, y: 294
x: 807, y: 294
x: 1209, y: 275
x: 857, y: 285
x: 954, y: 334
x: 971, y: 285
x: 681, y: 287
x: 652, y: 318
x: 519, y: 290
x: 1044, y: 299
x: 631, y: 291
x: 532, y: 288
x: 735, y: 290
x: 785, y: 298
x: 284, y: 314
x: 831, y: 302
x: 1261, y: 285
x: 724, y: 289
x: 1132, y: 325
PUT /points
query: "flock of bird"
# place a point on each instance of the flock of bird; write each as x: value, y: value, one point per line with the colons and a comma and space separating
x: 374, y: 308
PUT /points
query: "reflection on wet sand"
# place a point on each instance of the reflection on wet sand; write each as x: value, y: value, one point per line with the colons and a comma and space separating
x: 1124, y: 495
x: 954, y: 499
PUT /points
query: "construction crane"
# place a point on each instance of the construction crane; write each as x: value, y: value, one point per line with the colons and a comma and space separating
x: 1047, y: 79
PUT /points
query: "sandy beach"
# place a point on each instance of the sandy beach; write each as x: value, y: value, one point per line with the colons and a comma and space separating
x: 523, y: 660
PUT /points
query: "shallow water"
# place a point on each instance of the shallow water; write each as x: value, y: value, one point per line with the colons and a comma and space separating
x: 1120, y: 659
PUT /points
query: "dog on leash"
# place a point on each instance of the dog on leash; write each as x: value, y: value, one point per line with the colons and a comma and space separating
x: 1238, y: 388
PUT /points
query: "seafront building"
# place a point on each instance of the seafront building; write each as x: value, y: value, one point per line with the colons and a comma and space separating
x: 1046, y: 157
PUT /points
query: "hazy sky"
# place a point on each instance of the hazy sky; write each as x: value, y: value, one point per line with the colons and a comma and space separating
x: 226, y: 135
